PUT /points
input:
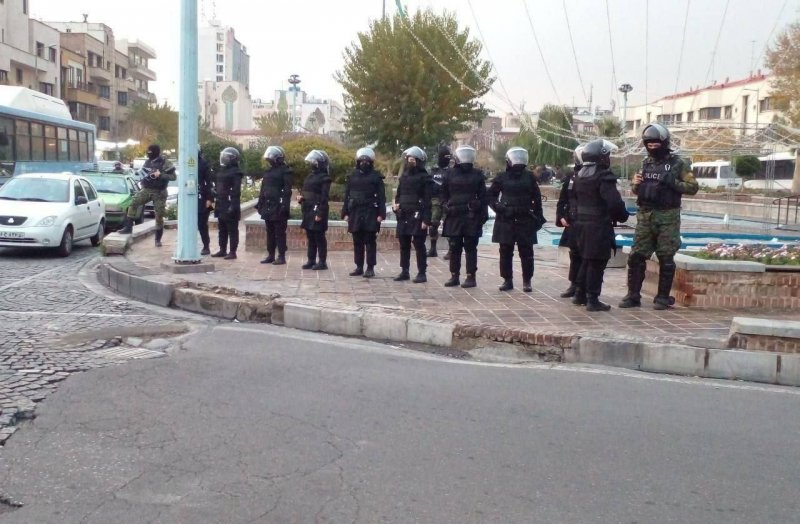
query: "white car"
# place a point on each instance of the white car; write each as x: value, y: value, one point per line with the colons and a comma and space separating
x: 50, y: 210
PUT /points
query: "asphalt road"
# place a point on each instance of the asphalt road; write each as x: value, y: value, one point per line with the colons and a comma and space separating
x: 263, y: 424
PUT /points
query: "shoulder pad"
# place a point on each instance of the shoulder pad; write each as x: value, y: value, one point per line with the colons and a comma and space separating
x: 609, y: 176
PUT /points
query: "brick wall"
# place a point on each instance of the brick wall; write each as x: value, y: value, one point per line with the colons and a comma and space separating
x: 338, y: 237
x: 764, y: 343
x: 729, y: 289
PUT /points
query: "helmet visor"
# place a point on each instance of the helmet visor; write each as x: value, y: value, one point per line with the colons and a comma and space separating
x: 466, y: 155
x: 517, y: 156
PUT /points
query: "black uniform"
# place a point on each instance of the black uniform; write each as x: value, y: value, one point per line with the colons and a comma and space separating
x: 364, y: 203
x: 205, y: 194
x: 599, y: 206
x: 517, y: 201
x: 227, y: 207
x: 316, y: 189
x: 566, y: 209
x: 274, y: 201
x: 414, y: 198
x: 466, y: 201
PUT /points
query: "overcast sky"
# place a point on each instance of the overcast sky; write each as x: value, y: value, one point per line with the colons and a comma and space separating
x: 306, y: 37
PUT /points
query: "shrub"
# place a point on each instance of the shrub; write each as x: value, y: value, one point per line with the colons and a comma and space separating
x: 784, y: 255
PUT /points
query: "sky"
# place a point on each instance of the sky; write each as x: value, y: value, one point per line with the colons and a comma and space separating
x: 307, y: 37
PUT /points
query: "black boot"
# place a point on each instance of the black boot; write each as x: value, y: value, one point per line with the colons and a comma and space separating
x: 320, y: 266
x: 269, y: 260
x: 446, y: 256
x: 666, y: 275
x: 526, y: 286
x: 220, y: 254
x: 570, y: 292
x: 454, y: 280
x: 508, y: 285
x: 636, y: 273
x: 230, y: 256
x: 159, y: 236
x: 280, y: 261
x: 579, y: 299
x: 403, y: 276
x: 594, y: 304
x: 357, y: 272
x: 127, y: 226
x: 205, y: 251
x: 432, y: 251
x: 421, y: 278
x: 370, y: 272
x: 308, y: 265
x: 469, y: 281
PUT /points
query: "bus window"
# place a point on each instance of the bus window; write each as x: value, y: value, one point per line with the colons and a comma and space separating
x: 50, y: 143
x: 84, y: 152
x: 63, y: 144
x: 74, y: 150
x: 37, y: 141
x: 91, y: 146
x: 23, y: 140
x: 6, y: 148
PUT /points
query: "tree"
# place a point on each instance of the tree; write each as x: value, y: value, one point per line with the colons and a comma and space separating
x: 154, y: 124
x: 274, y: 124
x: 396, y: 95
x: 610, y: 127
x: 746, y: 166
x: 556, y: 142
x: 783, y: 59
x: 342, y: 159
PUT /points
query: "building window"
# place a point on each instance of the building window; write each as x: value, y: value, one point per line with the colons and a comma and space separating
x: 219, y: 78
x: 220, y: 37
x: 710, y: 113
x: 765, y: 104
x: 105, y: 92
x: 25, y: 7
x: 19, y: 75
x: 46, y: 88
x: 52, y: 54
x: 220, y: 58
x: 122, y: 98
x: 40, y: 49
x: 3, y: 77
x: 220, y: 68
x: 104, y: 123
x: 220, y: 48
x: 728, y: 112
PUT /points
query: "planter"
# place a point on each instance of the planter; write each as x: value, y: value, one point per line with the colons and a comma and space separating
x: 728, y: 284
x: 339, y: 239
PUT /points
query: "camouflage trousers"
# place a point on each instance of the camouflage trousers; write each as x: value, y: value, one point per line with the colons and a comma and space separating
x: 436, y: 216
x: 159, y: 198
x: 657, y: 231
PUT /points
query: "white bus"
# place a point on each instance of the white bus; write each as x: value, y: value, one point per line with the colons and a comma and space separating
x: 718, y: 173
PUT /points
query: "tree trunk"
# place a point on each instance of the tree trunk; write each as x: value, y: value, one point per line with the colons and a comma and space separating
x: 796, y: 178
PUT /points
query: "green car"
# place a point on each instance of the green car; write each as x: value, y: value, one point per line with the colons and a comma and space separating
x: 116, y: 190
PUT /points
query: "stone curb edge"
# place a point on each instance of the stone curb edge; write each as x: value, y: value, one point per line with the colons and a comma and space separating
x: 380, y: 325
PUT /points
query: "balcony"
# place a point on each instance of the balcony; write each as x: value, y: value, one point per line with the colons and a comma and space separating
x: 100, y: 75
x: 141, y: 71
x: 82, y: 93
x: 141, y: 95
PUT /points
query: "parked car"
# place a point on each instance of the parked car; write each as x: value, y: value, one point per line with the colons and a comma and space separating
x: 50, y: 210
x: 116, y: 191
x: 172, y: 198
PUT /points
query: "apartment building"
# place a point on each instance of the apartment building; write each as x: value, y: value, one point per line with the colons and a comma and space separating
x: 29, y: 50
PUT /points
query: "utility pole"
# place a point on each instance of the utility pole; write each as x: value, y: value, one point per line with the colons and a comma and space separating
x: 294, y: 80
x: 187, y: 251
x: 625, y: 89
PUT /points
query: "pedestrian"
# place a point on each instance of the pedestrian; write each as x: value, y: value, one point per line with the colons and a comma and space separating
x: 467, y: 209
x: 155, y: 176
x: 599, y: 206
x: 205, y: 201
x: 118, y: 169
x: 364, y: 209
x: 412, y: 205
x: 314, y: 204
x: 274, y: 201
x: 664, y: 178
x: 227, y: 205
x: 566, y: 210
x: 437, y: 174
x: 517, y: 201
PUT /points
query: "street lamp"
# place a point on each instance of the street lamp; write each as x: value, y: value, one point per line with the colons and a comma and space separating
x: 294, y: 80
x: 625, y: 89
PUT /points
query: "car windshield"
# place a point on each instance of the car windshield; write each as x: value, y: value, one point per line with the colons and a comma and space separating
x: 109, y: 184
x: 35, y: 190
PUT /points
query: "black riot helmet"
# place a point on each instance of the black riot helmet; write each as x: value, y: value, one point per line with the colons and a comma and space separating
x: 465, y: 157
x: 443, y: 156
x: 365, y: 158
x: 318, y: 160
x: 153, y: 151
x: 598, y: 153
x: 275, y: 155
x: 229, y: 157
x: 656, y: 134
x: 417, y: 154
x: 517, y: 157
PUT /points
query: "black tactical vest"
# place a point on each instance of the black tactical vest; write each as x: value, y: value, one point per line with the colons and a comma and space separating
x: 463, y: 189
x: 411, y: 190
x: 654, y: 192
x: 586, y: 189
x: 517, y: 191
x: 438, y: 175
x: 160, y: 183
x: 363, y: 189
x: 312, y: 188
x: 274, y: 184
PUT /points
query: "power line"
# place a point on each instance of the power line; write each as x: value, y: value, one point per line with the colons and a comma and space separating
x: 611, y: 46
x: 716, y: 42
x: 574, y: 54
x: 541, y: 54
x: 646, y: 48
x: 683, y: 43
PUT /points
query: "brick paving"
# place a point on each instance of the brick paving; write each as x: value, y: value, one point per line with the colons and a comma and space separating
x: 541, y: 310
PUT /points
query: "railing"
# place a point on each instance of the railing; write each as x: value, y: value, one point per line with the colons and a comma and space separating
x: 83, y: 86
x: 788, y: 210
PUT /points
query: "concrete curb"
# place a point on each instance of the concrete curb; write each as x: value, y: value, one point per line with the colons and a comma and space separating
x: 482, y: 342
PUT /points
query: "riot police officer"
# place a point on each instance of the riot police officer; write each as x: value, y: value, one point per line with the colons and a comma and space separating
x: 664, y: 178
x: 314, y: 204
x: 599, y: 205
x: 566, y: 209
x: 466, y: 203
x: 227, y: 206
x: 205, y: 201
x: 517, y: 201
x: 156, y: 174
x: 274, y: 201
x: 364, y: 209
x: 412, y: 205
x: 438, y: 174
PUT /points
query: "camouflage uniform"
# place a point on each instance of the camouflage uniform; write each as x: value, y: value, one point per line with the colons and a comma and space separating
x: 658, y: 227
x: 154, y: 189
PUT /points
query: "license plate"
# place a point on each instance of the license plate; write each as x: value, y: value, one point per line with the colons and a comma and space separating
x: 11, y: 234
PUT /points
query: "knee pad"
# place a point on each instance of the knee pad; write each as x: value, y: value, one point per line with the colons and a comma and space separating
x: 666, y: 260
x: 636, y: 260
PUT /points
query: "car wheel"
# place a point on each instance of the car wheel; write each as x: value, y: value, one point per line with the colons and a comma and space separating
x: 97, y: 239
x: 65, y: 248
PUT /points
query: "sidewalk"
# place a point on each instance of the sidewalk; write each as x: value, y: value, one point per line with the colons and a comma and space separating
x: 541, y: 310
